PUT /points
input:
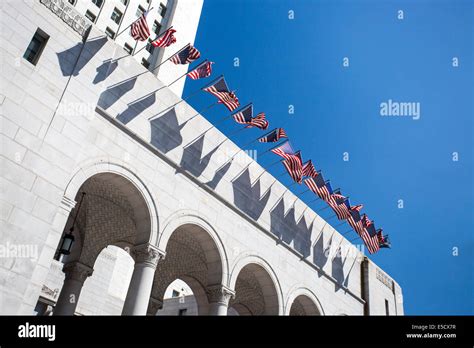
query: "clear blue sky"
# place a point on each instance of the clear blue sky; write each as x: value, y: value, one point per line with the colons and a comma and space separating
x: 337, y: 109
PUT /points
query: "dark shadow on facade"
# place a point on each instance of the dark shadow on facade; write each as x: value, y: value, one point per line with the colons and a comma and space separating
x: 192, y: 160
x: 338, y: 269
x: 105, y: 70
x: 320, y: 253
x: 247, y: 197
x: 68, y: 58
x: 166, y: 132
x: 110, y: 96
x: 218, y: 175
x: 136, y: 108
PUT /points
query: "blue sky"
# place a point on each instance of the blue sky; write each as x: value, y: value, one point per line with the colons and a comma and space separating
x: 337, y: 109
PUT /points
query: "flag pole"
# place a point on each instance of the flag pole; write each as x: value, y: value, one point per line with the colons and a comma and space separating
x: 116, y: 36
x: 164, y: 61
x: 172, y: 106
x: 156, y: 38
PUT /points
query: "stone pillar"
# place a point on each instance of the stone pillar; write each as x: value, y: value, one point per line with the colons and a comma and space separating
x: 154, y: 306
x: 76, y: 274
x: 146, y: 258
x: 219, y: 297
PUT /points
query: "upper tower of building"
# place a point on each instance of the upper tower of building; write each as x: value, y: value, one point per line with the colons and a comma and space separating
x: 114, y: 16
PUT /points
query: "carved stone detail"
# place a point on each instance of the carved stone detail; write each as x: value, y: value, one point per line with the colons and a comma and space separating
x: 219, y: 294
x: 148, y: 254
x: 77, y: 271
x: 68, y: 14
x: 154, y: 306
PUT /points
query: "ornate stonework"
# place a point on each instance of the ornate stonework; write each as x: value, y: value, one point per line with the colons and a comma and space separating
x: 219, y: 294
x: 68, y: 14
x: 77, y: 271
x: 147, y: 253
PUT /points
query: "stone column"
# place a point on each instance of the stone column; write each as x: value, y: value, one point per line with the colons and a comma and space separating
x: 219, y: 297
x: 76, y: 274
x: 146, y: 258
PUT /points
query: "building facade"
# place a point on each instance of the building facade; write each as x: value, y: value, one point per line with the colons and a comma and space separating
x: 96, y: 146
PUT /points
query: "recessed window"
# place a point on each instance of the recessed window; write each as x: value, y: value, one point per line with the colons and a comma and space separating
x: 36, y: 46
x: 175, y: 293
x: 90, y: 16
x: 140, y: 11
x: 182, y: 311
x: 387, y: 311
x: 98, y: 3
x: 149, y: 46
x: 125, y: 2
x: 162, y: 10
x: 156, y: 28
x: 128, y: 48
x: 109, y: 32
x: 116, y: 16
x: 72, y: 2
x: 145, y: 63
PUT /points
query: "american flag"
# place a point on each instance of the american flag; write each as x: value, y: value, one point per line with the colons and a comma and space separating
x: 220, y: 90
x: 318, y: 186
x: 201, y: 71
x: 355, y: 222
x: 187, y: 55
x: 337, y: 203
x: 139, y: 29
x: 273, y: 136
x: 294, y: 166
x: 166, y: 39
x: 285, y: 150
x: 384, y: 242
x: 245, y: 116
x: 309, y: 170
x: 369, y: 235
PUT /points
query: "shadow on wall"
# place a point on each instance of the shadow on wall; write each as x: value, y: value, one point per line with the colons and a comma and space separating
x: 136, y: 108
x: 105, y: 70
x: 320, y: 253
x: 247, y: 196
x: 286, y: 228
x: 68, y: 58
x: 166, y: 132
x: 110, y: 96
x: 218, y: 175
x: 192, y: 160
x: 338, y: 269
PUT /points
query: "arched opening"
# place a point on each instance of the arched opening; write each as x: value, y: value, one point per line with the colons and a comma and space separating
x: 113, y: 212
x: 193, y: 257
x: 255, y: 292
x: 303, y: 305
x: 178, y: 299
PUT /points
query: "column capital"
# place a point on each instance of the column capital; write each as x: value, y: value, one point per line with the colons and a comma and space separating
x: 148, y: 254
x: 154, y: 305
x: 77, y: 271
x: 219, y: 294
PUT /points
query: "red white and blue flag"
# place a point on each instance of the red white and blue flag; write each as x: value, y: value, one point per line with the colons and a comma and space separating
x: 167, y: 39
x: 338, y: 204
x: 309, y: 170
x: 284, y: 150
x: 220, y: 90
x: 318, y: 186
x: 139, y: 29
x: 273, y: 136
x: 369, y: 235
x: 187, y: 55
x: 245, y: 116
x: 294, y: 166
x: 201, y: 71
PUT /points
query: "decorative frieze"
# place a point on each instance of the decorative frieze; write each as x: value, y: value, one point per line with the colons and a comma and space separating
x: 384, y: 279
x: 68, y: 14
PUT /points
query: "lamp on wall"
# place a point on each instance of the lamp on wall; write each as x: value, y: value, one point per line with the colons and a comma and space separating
x: 68, y: 238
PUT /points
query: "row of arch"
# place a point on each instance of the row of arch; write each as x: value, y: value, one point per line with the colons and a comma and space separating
x: 119, y: 209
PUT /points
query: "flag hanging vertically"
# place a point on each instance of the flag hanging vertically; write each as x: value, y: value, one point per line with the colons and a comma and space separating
x: 273, y: 136
x: 369, y: 235
x: 167, y: 39
x: 245, y: 116
x: 338, y: 204
x: 294, y: 166
x: 318, y: 186
x: 285, y: 150
x: 309, y: 170
x: 220, y: 90
x: 187, y: 55
x: 201, y: 71
x: 139, y: 29
x: 354, y: 219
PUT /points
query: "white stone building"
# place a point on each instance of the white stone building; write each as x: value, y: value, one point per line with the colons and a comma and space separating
x: 161, y: 202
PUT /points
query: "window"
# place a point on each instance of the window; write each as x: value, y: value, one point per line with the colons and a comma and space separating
x: 125, y: 2
x: 149, y: 46
x: 175, y: 293
x: 182, y: 311
x: 72, y: 2
x: 109, y: 32
x: 90, y: 16
x: 140, y: 11
x: 36, y: 46
x: 156, y: 28
x: 387, y: 311
x: 98, y: 3
x: 145, y: 63
x: 116, y: 16
x: 162, y: 10
x: 128, y: 48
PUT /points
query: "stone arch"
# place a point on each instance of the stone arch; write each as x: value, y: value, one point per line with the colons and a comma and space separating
x: 257, y: 288
x: 194, y: 254
x: 303, y: 301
